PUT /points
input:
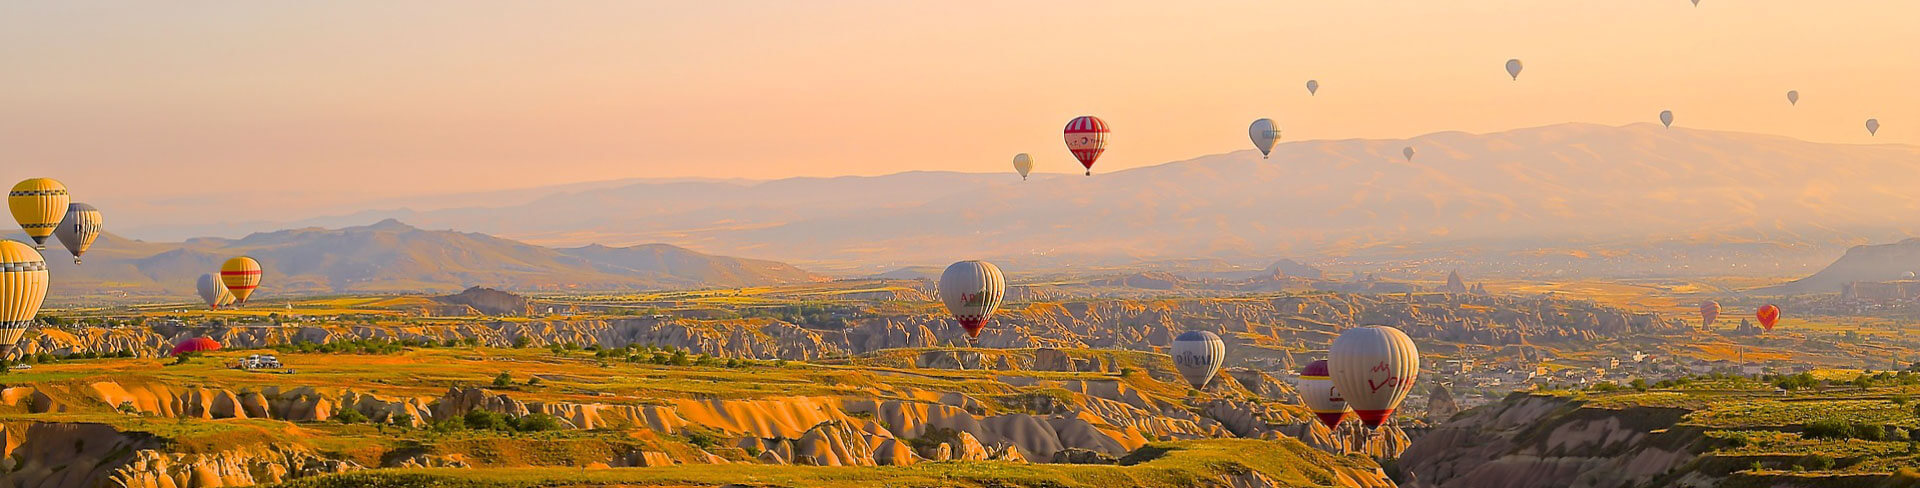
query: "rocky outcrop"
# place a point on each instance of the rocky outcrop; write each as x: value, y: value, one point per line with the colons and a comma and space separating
x: 488, y: 301
x: 1544, y: 441
x: 1440, y: 404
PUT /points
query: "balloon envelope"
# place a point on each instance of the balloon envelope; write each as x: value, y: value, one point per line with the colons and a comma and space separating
x: 1513, y: 69
x: 1873, y: 127
x: 1709, y: 311
x: 1407, y: 152
x: 23, y: 286
x: 242, y: 276
x: 1313, y: 87
x: 1374, y: 368
x: 1793, y: 97
x: 213, y: 291
x: 1317, y: 391
x: 1086, y: 138
x: 78, y: 229
x: 38, y: 204
x: 972, y: 291
x: 1263, y: 133
x: 197, y: 344
x: 1768, y: 315
x: 1197, y: 354
x: 1023, y: 163
x: 1666, y: 118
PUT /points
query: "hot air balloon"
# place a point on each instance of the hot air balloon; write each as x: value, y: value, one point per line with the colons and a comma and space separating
x: 38, y: 204
x: 972, y: 290
x: 1086, y: 137
x: 78, y: 230
x: 213, y: 291
x: 1793, y: 97
x: 194, y: 345
x: 1709, y: 310
x: 23, y: 286
x: 1197, y: 354
x: 1907, y: 275
x: 1666, y: 118
x: 1873, y: 129
x: 1696, y: 3
x: 1768, y: 315
x: 241, y: 275
x: 1023, y: 163
x: 1317, y: 391
x: 1374, y: 368
x: 1313, y: 87
x: 1407, y: 152
x: 1513, y: 69
x: 1264, y: 133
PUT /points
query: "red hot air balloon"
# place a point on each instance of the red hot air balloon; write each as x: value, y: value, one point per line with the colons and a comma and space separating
x: 197, y: 344
x: 1768, y: 315
x: 1709, y: 311
x: 1086, y: 137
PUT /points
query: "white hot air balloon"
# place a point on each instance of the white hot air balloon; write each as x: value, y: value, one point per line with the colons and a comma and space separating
x: 972, y: 291
x: 1374, y: 368
x: 1313, y: 87
x: 1873, y: 127
x: 1264, y: 133
x: 1197, y: 354
x: 1513, y: 69
x: 1793, y: 97
x: 1023, y: 163
x: 1317, y: 391
x: 1666, y: 118
x: 213, y: 291
x: 1407, y: 152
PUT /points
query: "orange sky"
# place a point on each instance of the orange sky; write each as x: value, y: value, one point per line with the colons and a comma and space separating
x: 332, y: 102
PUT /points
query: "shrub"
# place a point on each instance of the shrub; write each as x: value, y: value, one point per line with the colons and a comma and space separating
x: 537, y: 422
x: 521, y: 342
x: 484, y: 420
x: 449, y: 425
x: 1816, y: 462
x: 349, y: 416
x: 1827, y: 429
x: 503, y: 381
x: 402, y: 419
x: 701, y: 438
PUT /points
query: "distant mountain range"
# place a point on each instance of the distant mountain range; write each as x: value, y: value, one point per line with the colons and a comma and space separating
x: 390, y: 256
x: 1570, y: 199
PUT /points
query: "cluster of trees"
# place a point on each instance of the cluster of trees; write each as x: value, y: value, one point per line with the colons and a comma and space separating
x: 356, y: 346
x: 473, y: 420
x: 1841, y: 429
x: 45, y: 358
x: 811, y: 316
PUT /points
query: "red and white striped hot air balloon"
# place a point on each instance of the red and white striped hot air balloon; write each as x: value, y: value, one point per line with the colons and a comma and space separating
x: 1317, y: 391
x: 1086, y: 137
x: 1709, y: 311
x: 1374, y: 368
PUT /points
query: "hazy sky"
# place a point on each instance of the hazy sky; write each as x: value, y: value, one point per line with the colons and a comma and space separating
x: 324, y: 104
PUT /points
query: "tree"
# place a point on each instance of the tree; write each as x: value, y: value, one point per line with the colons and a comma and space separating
x: 680, y: 358
x: 401, y: 419
x: 349, y: 416
x: 533, y: 381
x: 503, y: 381
x: 537, y: 422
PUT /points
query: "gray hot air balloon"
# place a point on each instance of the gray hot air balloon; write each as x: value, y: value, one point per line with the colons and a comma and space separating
x: 1793, y: 97
x: 1407, y: 152
x: 1198, y: 354
x: 1264, y: 133
x: 213, y: 291
x: 972, y: 291
x: 1666, y: 118
x: 1313, y: 87
x: 78, y: 229
x: 1374, y: 368
x: 1696, y: 3
x: 1513, y: 69
x: 1873, y: 127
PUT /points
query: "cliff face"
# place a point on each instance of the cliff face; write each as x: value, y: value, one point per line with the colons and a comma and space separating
x: 1105, y: 324
x: 1543, y: 441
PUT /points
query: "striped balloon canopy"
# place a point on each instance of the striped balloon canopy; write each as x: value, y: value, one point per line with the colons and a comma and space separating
x: 972, y: 291
x: 242, y: 276
x: 38, y: 204
x: 1197, y: 355
x: 1086, y: 137
x: 79, y: 229
x: 23, y: 286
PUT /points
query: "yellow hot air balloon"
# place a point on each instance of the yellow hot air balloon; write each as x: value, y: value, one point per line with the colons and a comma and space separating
x: 23, y: 285
x: 38, y: 204
x: 241, y: 275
